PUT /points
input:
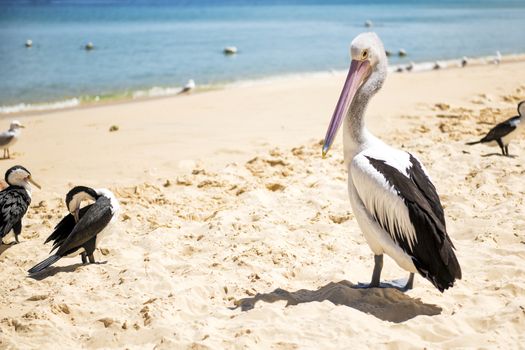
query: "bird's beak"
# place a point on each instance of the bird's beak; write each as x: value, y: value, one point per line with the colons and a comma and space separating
x: 23, y: 127
x: 359, y: 71
x: 30, y: 179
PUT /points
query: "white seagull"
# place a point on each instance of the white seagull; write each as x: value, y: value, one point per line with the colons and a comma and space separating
x: 8, y: 138
x: 392, y: 197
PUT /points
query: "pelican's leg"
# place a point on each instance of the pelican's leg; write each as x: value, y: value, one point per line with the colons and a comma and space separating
x: 507, y: 150
x: 8, y: 154
x: 410, y: 283
x: 91, y: 258
x: 4, y: 153
x: 376, y: 275
x: 84, y: 258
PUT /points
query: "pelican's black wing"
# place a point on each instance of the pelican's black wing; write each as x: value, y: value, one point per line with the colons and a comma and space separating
x: 96, y: 218
x: 14, y: 202
x: 501, y: 130
x: 404, y: 202
x: 64, y: 227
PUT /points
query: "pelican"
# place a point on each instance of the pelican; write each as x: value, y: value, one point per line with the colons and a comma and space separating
x: 394, y: 201
x: 80, y: 231
x: 14, y: 201
x: 505, y: 131
x: 10, y: 137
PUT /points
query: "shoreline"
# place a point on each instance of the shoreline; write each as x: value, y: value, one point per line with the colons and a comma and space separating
x: 155, y: 93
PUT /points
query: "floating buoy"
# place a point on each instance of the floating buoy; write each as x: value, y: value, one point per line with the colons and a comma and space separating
x: 230, y: 50
x: 89, y: 46
x: 29, y: 43
x: 402, y: 53
x: 368, y: 23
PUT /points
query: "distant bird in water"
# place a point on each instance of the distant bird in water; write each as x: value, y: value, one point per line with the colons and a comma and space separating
x: 14, y: 201
x: 190, y: 85
x: 402, y: 53
x: 368, y: 23
x: 395, y: 203
x: 436, y: 65
x: 410, y: 66
x: 80, y: 231
x: 388, y: 53
x: 89, y: 46
x: 464, y: 61
x: 29, y: 43
x: 10, y: 137
x: 505, y: 131
x: 230, y: 50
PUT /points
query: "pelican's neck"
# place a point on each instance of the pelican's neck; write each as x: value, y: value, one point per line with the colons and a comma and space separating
x: 356, y: 137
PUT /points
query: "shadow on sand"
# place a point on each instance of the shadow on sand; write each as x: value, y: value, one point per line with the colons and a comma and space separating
x: 387, y: 304
x: 4, y: 247
x: 53, y: 270
x: 498, y: 154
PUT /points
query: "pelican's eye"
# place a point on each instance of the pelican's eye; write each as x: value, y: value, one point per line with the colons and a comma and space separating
x: 364, y: 54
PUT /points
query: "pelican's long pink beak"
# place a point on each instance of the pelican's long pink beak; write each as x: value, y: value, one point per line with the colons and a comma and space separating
x: 359, y: 71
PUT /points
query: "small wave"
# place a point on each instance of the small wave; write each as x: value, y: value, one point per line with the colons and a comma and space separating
x: 28, y: 107
x: 156, y: 92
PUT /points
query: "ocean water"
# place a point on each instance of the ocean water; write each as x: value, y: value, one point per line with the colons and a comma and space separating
x: 141, y: 45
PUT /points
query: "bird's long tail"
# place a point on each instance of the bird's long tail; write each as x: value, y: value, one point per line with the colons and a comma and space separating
x: 44, y: 264
x: 473, y: 143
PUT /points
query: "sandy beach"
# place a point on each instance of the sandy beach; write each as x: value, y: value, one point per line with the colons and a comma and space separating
x: 229, y: 214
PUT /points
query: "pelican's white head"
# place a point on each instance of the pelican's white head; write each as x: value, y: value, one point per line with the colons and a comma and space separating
x: 20, y: 176
x: 366, y: 75
x: 15, y: 125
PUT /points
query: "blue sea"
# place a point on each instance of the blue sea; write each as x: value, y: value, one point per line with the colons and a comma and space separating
x: 145, y: 45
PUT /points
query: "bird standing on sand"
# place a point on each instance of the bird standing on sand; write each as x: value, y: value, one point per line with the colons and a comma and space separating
x: 392, y: 197
x: 190, y: 85
x: 10, y: 137
x: 80, y: 231
x: 497, y: 58
x: 14, y: 201
x: 505, y: 131
x: 464, y: 61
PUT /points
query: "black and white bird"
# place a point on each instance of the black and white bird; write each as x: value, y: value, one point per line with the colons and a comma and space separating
x: 392, y: 197
x: 10, y: 137
x: 504, y: 132
x: 14, y: 201
x: 80, y: 231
